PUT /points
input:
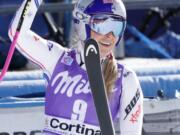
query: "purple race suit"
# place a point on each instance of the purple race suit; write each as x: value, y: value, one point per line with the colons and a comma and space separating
x: 69, y: 90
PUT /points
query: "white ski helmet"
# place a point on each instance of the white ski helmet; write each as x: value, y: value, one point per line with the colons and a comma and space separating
x: 112, y: 12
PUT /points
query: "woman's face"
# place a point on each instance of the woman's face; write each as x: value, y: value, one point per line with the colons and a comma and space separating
x: 106, y: 42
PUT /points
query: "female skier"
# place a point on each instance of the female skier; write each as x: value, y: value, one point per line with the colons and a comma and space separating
x: 69, y: 106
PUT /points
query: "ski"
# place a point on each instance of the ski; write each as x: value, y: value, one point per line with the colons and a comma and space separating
x: 93, y: 67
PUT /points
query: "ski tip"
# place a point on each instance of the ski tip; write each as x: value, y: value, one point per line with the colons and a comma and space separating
x: 91, y: 47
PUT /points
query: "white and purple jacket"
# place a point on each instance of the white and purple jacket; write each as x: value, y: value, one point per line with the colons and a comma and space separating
x: 69, y: 106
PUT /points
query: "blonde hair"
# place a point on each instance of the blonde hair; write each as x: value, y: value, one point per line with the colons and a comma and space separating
x: 110, y: 73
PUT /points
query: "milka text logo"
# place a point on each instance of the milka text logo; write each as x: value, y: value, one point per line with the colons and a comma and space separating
x: 70, y: 85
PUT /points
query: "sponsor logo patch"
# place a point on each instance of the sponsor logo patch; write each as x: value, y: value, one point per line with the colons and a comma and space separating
x: 132, y: 103
x: 70, y: 127
x: 67, y: 60
x: 134, y: 117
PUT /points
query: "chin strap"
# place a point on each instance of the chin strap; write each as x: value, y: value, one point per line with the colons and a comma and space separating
x: 12, y: 48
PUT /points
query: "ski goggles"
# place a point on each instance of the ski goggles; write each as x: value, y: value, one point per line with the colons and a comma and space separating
x: 104, y: 24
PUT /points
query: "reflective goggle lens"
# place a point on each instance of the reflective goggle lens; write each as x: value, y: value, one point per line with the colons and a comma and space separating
x: 104, y: 24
